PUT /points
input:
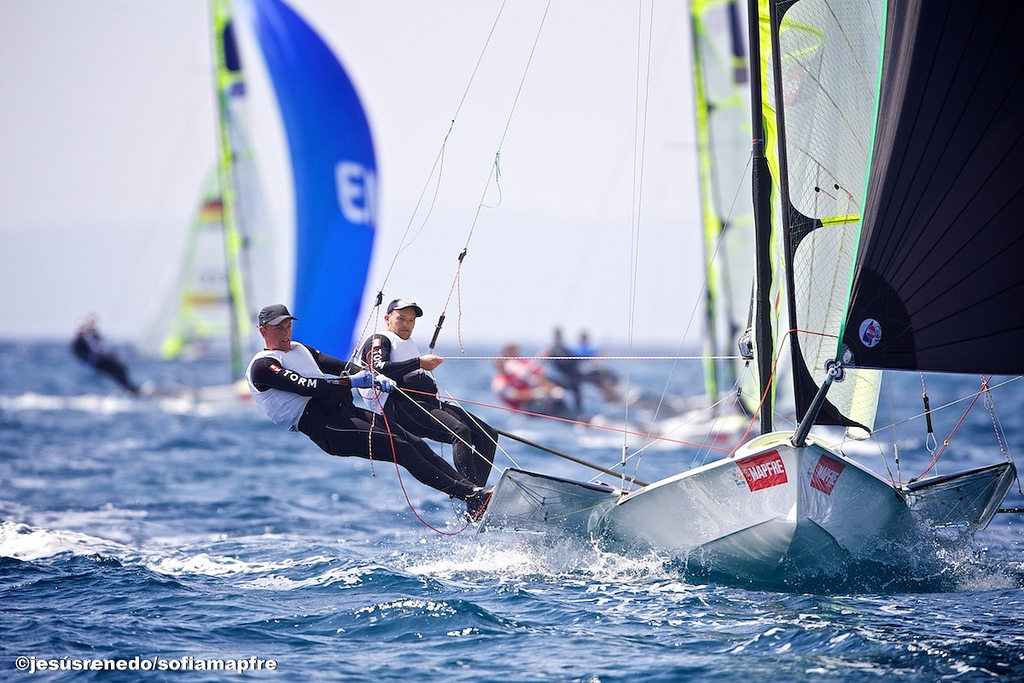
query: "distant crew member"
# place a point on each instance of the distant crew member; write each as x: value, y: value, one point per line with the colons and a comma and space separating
x: 90, y: 348
x: 567, y: 370
x: 520, y: 383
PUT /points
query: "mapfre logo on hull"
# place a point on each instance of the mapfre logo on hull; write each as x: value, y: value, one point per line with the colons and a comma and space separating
x: 826, y: 474
x: 763, y: 471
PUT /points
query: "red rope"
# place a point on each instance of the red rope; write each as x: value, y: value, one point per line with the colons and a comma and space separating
x: 398, y: 471
x: 764, y: 397
x: 984, y: 386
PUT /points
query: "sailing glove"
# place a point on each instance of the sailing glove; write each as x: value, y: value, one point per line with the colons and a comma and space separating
x: 362, y: 379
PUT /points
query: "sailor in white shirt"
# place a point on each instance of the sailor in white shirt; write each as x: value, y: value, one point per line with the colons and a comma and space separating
x: 417, y: 408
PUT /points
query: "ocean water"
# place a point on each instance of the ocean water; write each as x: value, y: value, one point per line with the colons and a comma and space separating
x: 171, y: 536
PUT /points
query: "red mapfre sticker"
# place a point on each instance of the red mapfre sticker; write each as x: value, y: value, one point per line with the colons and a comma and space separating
x: 826, y: 474
x: 763, y: 471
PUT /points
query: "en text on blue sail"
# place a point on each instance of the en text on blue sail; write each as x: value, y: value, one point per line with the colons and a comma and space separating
x: 334, y: 170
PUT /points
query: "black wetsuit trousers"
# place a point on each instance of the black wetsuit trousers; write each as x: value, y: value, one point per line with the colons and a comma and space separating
x: 473, y: 441
x: 349, y: 431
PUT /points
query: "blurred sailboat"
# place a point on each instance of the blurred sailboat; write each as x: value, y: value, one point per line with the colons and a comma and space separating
x: 231, y: 255
x: 211, y: 311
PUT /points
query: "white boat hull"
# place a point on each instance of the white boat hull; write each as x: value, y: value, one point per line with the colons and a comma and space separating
x: 771, y: 512
x: 772, y: 507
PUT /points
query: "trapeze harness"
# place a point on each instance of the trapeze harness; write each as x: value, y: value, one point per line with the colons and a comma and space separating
x: 297, y: 367
x: 398, y: 359
x: 422, y: 413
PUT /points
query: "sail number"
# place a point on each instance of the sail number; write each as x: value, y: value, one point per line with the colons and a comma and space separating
x: 357, y: 192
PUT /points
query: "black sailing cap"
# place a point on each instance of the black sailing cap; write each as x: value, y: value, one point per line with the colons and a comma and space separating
x: 399, y: 304
x: 275, y: 314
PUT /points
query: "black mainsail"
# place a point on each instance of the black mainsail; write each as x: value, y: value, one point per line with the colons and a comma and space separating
x: 940, y: 273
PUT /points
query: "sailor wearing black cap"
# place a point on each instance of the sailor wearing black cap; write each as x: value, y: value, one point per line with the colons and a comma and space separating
x: 417, y: 408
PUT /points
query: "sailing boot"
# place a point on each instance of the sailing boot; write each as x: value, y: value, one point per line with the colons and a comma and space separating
x: 476, y: 502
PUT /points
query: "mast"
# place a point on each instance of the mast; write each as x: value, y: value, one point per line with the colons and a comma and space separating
x: 711, y: 223
x: 763, y: 337
x: 227, y: 77
x: 720, y: 79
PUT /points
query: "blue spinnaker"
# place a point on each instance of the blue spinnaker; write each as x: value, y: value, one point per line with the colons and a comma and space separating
x: 334, y: 170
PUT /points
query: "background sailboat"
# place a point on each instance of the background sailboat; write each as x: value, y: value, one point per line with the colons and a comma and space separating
x: 722, y: 122
x: 228, y: 270
x: 216, y: 295
x: 722, y: 105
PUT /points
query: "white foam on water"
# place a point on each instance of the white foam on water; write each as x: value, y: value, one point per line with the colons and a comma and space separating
x: 24, y: 542
x: 519, y: 558
x: 175, y: 402
x: 31, y: 544
x: 88, y: 403
x: 348, y: 576
x: 214, y: 565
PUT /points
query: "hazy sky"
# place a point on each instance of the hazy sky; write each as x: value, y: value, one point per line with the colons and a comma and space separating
x: 107, y: 133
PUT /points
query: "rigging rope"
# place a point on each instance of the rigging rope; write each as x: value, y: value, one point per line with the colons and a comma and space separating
x: 1000, y: 433
x: 439, y: 160
x: 398, y: 471
x: 935, y: 457
x: 437, y: 168
x: 627, y: 357
x: 573, y: 458
x: 567, y: 420
x: 641, y: 99
x: 494, y: 174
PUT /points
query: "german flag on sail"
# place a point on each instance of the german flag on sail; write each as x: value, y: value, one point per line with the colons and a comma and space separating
x: 212, y: 211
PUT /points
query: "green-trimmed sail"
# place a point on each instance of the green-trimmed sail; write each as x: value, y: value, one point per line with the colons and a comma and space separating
x: 230, y: 84
x: 227, y: 270
x: 900, y: 130
x: 201, y: 314
x: 823, y: 59
x: 721, y: 97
